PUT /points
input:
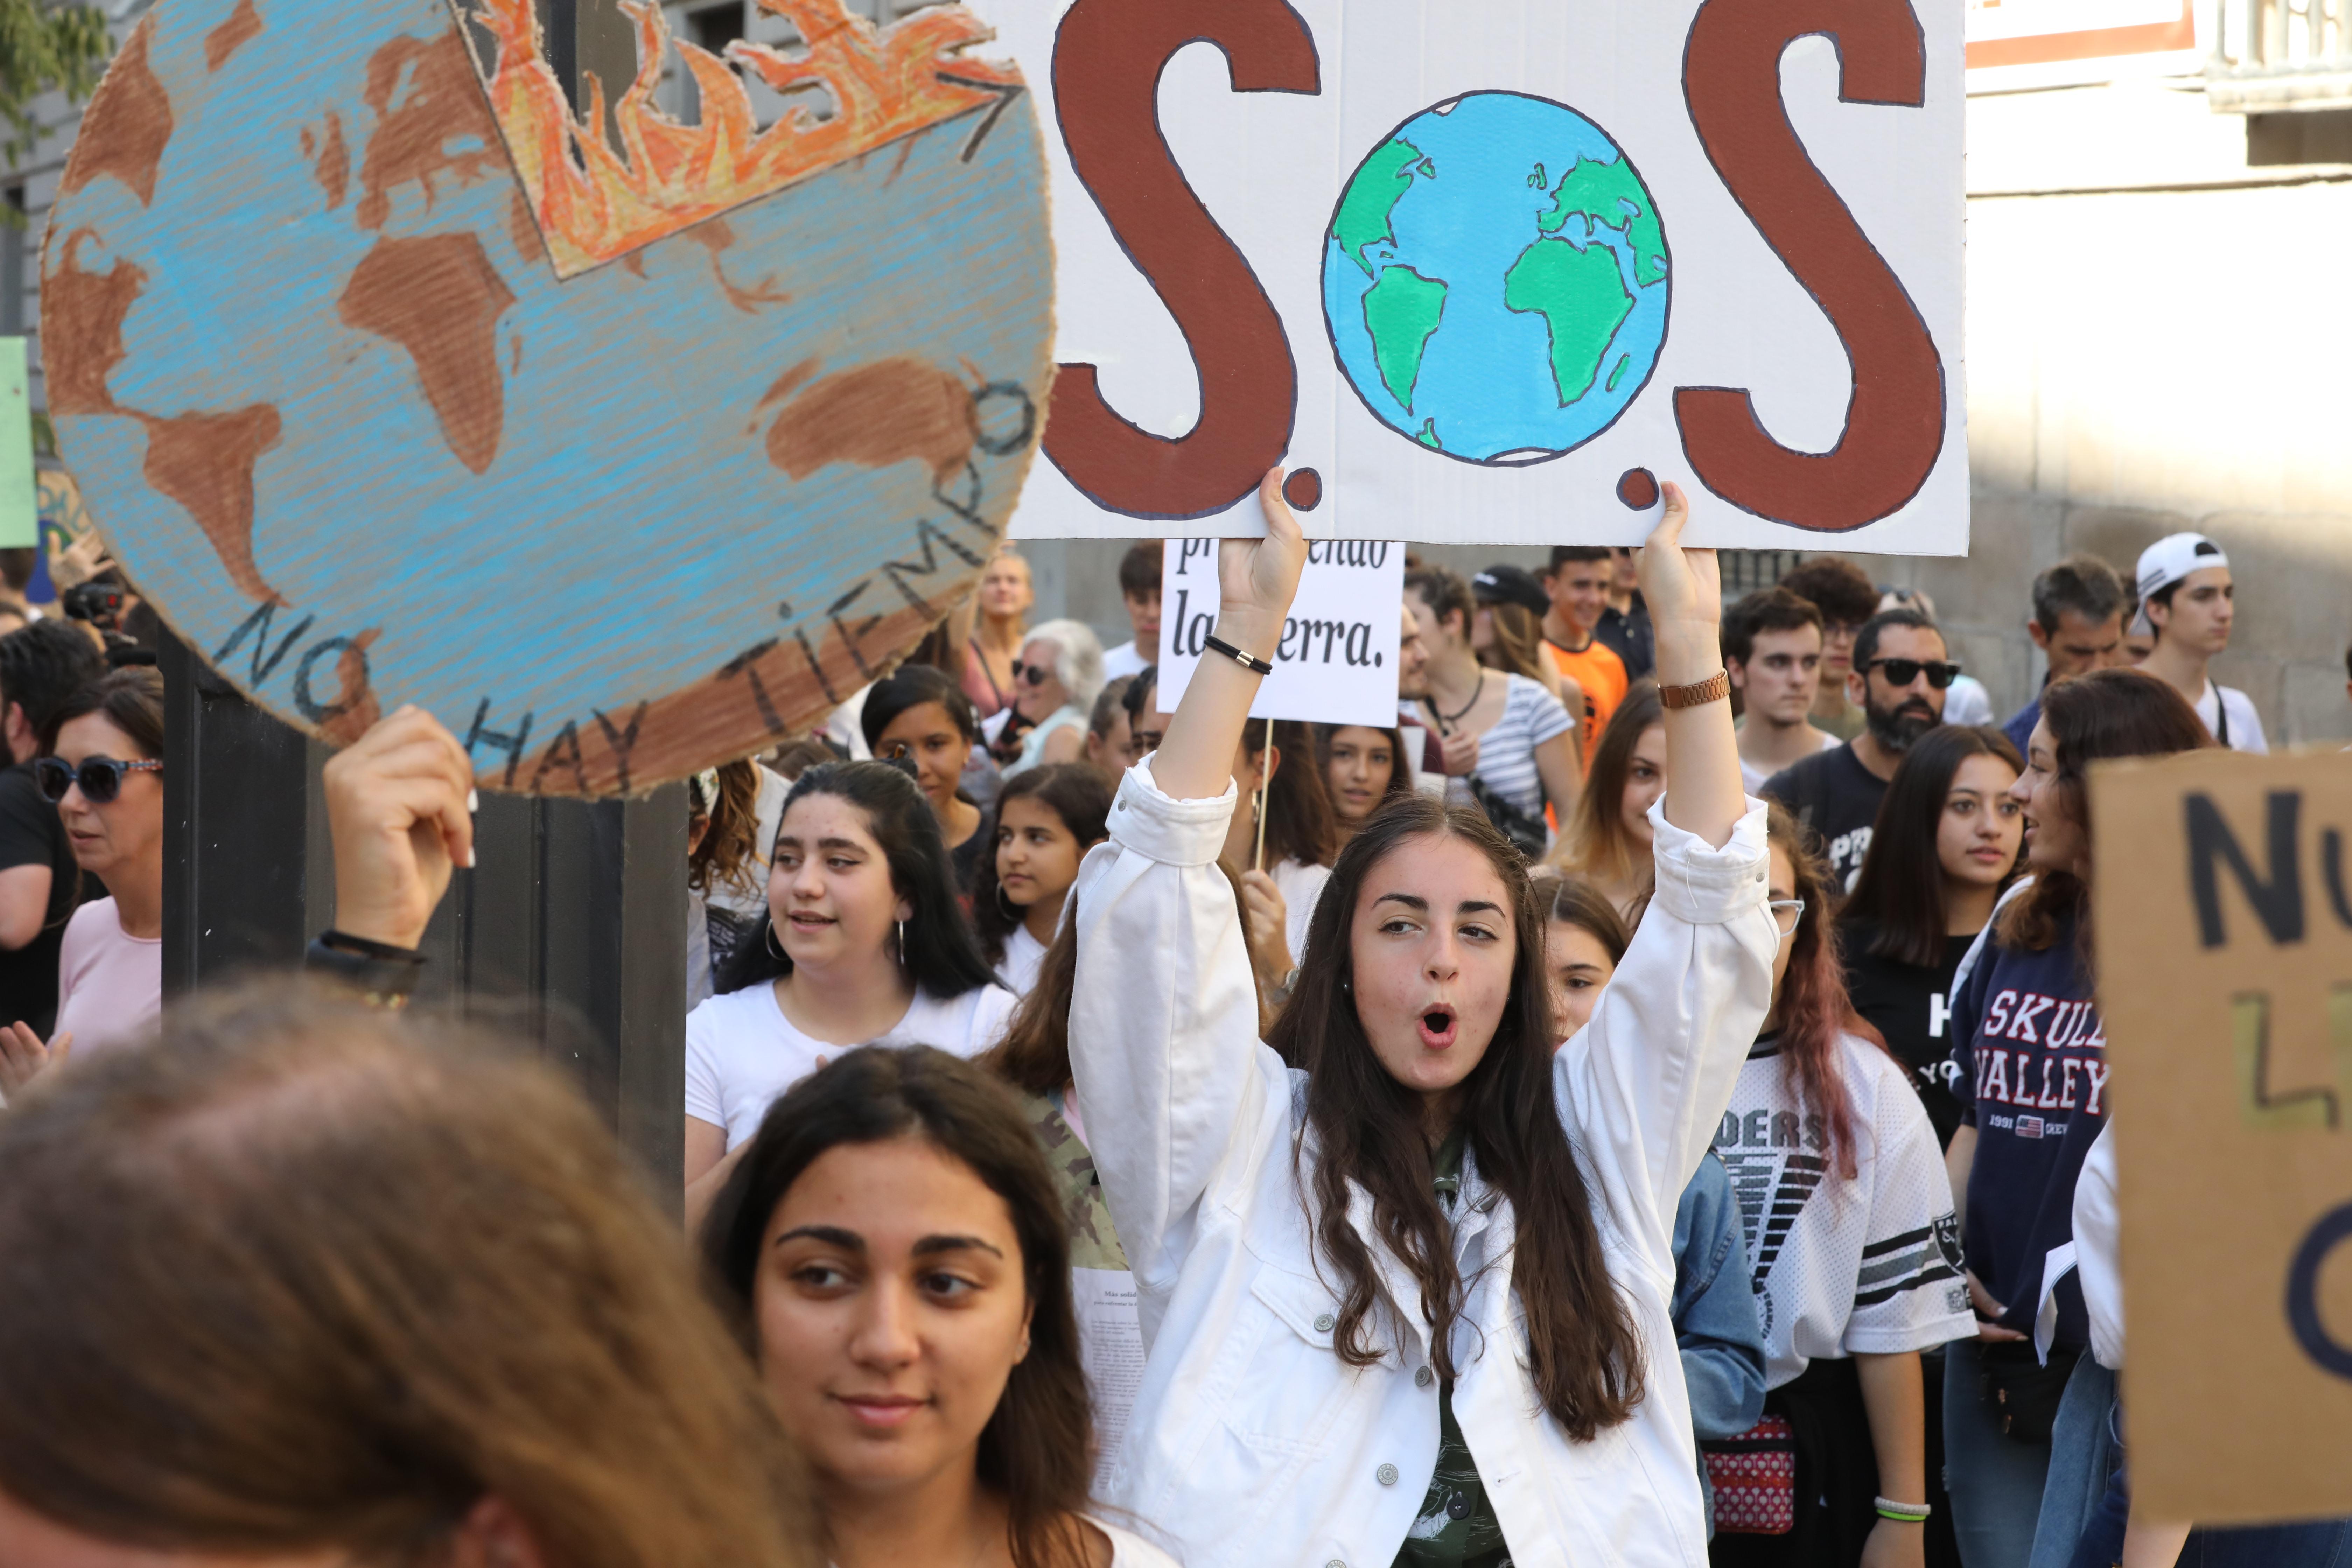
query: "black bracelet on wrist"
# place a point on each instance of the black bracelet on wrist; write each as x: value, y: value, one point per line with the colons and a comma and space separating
x: 367, y: 947
x: 1250, y: 662
x: 383, y: 975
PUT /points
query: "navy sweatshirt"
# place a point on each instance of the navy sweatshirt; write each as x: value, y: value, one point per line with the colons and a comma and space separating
x: 2032, y: 1077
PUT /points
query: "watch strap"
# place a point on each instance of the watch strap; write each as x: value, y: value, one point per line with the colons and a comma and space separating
x: 1715, y: 688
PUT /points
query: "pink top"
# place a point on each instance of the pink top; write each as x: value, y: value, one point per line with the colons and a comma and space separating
x: 109, y: 984
x: 987, y: 698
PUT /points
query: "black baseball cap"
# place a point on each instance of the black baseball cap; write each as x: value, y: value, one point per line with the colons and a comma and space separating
x: 1510, y: 585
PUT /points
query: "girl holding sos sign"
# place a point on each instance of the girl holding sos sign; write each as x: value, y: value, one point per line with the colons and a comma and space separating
x: 1410, y: 1299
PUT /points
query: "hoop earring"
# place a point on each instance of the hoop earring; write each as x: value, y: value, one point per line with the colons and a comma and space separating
x: 902, y: 944
x: 1005, y: 906
x: 773, y: 951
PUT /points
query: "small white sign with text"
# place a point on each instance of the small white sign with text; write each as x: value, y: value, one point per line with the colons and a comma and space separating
x: 1337, y: 663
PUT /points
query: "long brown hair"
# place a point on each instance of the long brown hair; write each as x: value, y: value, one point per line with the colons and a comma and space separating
x: 1518, y: 648
x: 1584, y: 1355
x: 940, y: 955
x: 131, y: 698
x: 1298, y: 821
x: 1595, y: 842
x: 1813, y: 1007
x: 304, y: 1277
x: 2092, y: 717
x: 1035, y: 1055
x: 1577, y: 902
x: 1901, y: 888
x: 730, y: 843
x: 1073, y: 792
x: 1034, y: 1450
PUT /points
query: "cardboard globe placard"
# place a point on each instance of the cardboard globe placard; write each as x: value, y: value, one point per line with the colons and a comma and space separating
x: 387, y: 383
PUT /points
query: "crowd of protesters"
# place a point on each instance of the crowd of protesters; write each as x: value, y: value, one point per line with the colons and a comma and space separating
x: 1128, y: 1134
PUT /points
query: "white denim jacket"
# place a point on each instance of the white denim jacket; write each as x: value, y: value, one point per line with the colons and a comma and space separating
x: 1251, y: 1443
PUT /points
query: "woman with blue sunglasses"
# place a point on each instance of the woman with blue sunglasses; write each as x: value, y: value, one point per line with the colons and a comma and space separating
x: 105, y: 771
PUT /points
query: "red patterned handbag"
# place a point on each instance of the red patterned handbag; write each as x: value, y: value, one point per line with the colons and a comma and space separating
x: 1754, y: 1478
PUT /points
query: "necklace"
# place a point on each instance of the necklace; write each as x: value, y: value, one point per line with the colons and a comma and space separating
x: 1446, y: 721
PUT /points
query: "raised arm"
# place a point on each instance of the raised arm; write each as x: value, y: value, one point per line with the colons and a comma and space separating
x: 1642, y: 1095
x: 1683, y: 589
x: 1171, y: 1078
x: 1257, y: 579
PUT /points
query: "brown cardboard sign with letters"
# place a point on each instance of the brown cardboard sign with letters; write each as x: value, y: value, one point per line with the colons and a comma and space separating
x: 2222, y: 904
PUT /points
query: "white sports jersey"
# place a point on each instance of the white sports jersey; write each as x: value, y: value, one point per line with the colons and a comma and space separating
x: 1870, y: 1264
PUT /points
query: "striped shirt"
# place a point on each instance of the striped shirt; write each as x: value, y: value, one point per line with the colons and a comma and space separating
x: 1506, y: 751
x: 1872, y: 1265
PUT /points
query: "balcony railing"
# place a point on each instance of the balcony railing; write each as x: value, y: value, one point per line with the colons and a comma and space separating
x: 2280, y: 55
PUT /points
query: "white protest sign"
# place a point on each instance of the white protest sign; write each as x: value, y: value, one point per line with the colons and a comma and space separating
x: 1489, y: 273
x: 1337, y: 663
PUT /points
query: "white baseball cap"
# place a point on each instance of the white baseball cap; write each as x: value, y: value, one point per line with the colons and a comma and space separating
x: 2166, y: 562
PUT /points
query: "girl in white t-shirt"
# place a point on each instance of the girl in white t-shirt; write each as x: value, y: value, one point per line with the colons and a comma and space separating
x: 894, y: 1250
x: 1046, y: 821
x: 1848, y: 1220
x: 863, y: 942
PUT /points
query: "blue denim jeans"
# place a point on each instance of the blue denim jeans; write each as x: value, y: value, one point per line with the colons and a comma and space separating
x: 1996, y: 1482
x: 2099, y: 1540
x: 2085, y: 1449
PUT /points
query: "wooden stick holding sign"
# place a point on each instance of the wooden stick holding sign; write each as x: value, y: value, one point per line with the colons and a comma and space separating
x: 1265, y: 789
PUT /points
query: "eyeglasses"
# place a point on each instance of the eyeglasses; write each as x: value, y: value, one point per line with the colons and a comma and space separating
x: 1904, y: 671
x: 100, y: 777
x: 1786, y: 913
x: 1034, y: 674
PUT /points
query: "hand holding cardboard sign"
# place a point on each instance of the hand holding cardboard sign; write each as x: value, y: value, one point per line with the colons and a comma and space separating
x: 1684, y: 591
x: 1259, y: 577
x: 397, y: 808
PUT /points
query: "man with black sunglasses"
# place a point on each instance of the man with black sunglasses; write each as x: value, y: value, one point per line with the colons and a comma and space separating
x: 41, y: 664
x: 1899, y: 678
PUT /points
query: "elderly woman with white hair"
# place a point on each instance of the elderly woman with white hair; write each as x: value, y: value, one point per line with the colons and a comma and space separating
x: 1054, y: 685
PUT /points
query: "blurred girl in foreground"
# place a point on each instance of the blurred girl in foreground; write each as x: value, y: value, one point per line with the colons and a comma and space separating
x: 893, y: 1250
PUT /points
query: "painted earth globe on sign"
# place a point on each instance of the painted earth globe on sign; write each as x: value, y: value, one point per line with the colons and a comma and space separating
x: 623, y: 442
x: 1496, y: 280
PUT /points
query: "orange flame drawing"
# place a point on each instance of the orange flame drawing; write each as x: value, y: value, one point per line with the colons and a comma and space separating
x: 594, y: 205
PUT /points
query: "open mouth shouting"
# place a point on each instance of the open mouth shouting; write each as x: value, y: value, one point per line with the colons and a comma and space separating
x: 1438, y: 1025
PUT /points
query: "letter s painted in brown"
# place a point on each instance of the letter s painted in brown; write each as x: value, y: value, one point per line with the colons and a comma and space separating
x: 1108, y: 58
x: 1895, y: 419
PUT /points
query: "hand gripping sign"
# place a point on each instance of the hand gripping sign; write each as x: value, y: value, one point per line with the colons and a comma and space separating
x: 625, y: 451
x: 1336, y: 660
x: 1491, y: 273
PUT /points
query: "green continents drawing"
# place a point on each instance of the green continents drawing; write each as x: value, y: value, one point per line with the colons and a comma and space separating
x: 1583, y: 301
x: 1609, y: 195
x: 1372, y: 195
x: 1401, y: 309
